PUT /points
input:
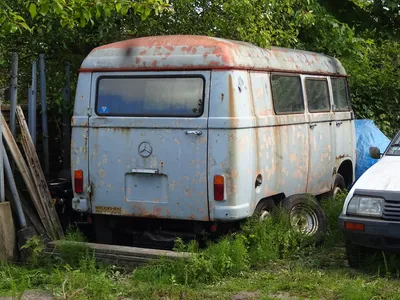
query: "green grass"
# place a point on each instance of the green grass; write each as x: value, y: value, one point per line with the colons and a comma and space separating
x: 264, y: 260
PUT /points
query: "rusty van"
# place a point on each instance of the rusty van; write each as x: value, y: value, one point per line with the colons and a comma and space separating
x: 193, y: 133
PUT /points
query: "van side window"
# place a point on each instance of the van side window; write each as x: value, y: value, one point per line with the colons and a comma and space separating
x: 287, y: 94
x: 150, y: 96
x: 340, y: 94
x: 317, y: 95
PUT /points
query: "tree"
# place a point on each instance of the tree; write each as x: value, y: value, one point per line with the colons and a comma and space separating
x: 18, y: 15
x: 379, y: 16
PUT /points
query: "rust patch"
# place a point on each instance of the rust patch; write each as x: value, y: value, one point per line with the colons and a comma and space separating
x: 169, y: 48
x: 156, y: 211
x: 341, y: 156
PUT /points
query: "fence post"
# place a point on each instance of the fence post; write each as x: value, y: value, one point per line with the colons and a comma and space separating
x: 43, y: 99
x: 13, y: 92
x: 16, y: 201
x: 66, y: 119
x: 32, y: 105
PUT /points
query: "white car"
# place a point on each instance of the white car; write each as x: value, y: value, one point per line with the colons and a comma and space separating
x: 371, y: 213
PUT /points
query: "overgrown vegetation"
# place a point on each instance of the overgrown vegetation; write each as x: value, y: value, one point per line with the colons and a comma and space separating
x: 266, y: 259
x: 362, y: 33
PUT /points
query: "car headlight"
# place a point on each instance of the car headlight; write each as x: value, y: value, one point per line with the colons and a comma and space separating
x: 365, y: 206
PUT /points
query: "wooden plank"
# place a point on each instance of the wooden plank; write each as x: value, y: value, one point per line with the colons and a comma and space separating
x: 29, y: 213
x: 126, y: 250
x: 38, y: 176
x: 119, y: 255
x: 23, y: 169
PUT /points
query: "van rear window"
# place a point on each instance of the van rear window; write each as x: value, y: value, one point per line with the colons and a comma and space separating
x: 287, y: 94
x: 150, y: 96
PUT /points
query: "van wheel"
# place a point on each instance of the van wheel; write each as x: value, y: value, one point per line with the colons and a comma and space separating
x: 339, y: 185
x: 264, y: 209
x: 306, y: 216
x: 357, y: 255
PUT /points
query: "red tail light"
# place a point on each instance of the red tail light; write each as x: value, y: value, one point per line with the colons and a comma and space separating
x: 219, y: 188
x: 78, y: 180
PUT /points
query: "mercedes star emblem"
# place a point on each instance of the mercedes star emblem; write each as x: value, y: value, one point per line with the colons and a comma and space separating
x: 145, y: 149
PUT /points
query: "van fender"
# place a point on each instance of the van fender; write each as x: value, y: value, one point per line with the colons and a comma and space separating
x: 344, y: 167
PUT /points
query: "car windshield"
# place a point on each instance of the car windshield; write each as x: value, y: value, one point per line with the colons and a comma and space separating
x: 394, y: 146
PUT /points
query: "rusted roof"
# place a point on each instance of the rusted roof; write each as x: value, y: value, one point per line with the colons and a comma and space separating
x: 189, y: 52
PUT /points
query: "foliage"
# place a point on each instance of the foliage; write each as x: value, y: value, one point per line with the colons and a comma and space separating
x: 362, y: 34
x: 34, y: 248
x: 375, y: 84
x: 379, y: 16
x: 38, y: 15
x: 233, y: 266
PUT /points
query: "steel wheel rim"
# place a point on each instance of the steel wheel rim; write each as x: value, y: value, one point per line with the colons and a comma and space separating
x: 264, y: 215
x: 337, y: 190
x: 304, y: 219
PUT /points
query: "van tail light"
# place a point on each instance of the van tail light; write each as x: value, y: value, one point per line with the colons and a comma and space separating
x: 78, y: 180
x: 219, y: 188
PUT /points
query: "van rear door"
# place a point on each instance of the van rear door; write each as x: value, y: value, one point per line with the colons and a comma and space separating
x: 148, y: 144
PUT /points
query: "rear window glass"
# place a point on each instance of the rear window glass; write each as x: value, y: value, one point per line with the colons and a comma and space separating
x: 287, y: 94
x: 317, y: 95
x: 340, y: 94
x: 150, y: 96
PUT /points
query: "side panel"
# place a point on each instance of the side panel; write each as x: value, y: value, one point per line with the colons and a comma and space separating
x: 250, y: 141
x: 80, y: 131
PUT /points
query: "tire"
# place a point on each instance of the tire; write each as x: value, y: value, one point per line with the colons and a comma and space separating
x: 264, y: 208
x: 339, y: 185
x: 356, y: 255
x: 307, y: 216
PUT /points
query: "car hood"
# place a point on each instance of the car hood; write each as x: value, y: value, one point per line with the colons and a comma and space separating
x: 382, y: 176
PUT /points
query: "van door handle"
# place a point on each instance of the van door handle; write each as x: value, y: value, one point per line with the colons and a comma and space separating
x: 313, y: 125
x: 195, y: 132
x: 338, y: 124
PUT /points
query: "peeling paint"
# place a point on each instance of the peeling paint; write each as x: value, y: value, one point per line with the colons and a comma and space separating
x: 241, y: 138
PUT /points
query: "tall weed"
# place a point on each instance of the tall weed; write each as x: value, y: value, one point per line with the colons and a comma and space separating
x: 257, y: 243
x: 332, y: 208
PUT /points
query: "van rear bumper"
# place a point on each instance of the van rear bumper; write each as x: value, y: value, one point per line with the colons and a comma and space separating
x: 231, y: 213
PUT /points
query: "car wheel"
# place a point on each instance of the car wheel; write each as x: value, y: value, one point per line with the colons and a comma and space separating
x: 356, y: 255
x: 306, y: 216
x: 339, y: 185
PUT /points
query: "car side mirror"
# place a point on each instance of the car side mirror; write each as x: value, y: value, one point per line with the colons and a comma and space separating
x: 375, y: 152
